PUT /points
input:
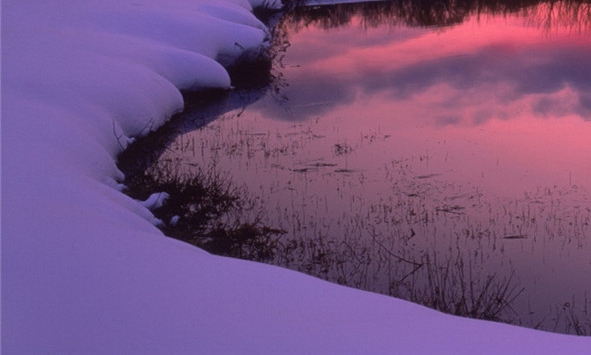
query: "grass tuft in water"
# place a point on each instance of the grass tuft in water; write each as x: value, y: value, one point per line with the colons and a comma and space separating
x: 207, y: 210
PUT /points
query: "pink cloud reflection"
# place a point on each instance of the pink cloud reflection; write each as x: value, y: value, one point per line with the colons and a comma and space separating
x: 487, y: 68
x: 508, y: 102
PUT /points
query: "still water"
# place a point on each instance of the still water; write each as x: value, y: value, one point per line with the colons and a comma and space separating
x: 444, y: 160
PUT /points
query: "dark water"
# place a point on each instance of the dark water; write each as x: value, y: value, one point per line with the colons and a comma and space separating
x: 434, y: 155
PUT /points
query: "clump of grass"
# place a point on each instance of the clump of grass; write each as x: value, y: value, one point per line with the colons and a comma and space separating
x: 207, y: 210
x: 453, y: 287
x: 252, y: 69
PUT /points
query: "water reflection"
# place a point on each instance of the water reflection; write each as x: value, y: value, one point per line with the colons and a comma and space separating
x: 423, y: 162
x: 490, y: 67
x: 546, y: 15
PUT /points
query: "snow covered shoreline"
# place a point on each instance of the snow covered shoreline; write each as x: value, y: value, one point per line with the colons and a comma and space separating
x: 84, y: 271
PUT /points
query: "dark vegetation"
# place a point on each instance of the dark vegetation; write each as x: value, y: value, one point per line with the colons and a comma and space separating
x: 207, y: 210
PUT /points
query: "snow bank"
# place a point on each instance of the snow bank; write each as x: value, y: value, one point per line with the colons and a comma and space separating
x: 84, y: 270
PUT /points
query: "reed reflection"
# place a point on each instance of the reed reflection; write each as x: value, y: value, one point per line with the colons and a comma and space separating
x: 574, y: 14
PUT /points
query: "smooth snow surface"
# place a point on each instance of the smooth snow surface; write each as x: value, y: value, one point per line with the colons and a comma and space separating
x: 84, y: 269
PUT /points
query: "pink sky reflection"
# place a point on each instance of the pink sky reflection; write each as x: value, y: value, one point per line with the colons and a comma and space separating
x: 510, y: 104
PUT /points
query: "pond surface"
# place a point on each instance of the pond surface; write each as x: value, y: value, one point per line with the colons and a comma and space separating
x: 434, y: 163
